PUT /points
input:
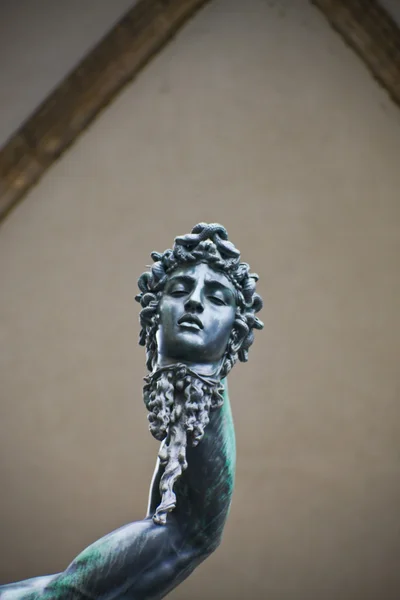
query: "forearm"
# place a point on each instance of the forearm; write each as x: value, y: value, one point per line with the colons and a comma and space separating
x: 28, y: 589
x: 145, y: 561
x: 140, y: 561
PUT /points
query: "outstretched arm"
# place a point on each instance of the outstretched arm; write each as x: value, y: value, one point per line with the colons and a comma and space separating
x: 145, y: 561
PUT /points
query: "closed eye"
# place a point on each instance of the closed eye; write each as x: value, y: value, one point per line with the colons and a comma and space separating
x: 178, y: 293
x: 217, y: 301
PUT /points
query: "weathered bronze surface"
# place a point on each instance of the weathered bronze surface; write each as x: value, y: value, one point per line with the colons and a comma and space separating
x: 198, y: 317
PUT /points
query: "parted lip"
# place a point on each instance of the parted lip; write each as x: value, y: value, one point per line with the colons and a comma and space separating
x: 193, y: 319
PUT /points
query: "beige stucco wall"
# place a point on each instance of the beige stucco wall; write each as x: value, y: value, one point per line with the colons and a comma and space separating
x: 257, y: 116
x: 40, y: 42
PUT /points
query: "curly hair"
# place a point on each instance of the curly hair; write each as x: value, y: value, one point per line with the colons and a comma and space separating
x: 206, y: 243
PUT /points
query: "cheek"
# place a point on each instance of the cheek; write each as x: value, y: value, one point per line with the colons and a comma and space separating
x: 166, y: 312
x: 222, y: 324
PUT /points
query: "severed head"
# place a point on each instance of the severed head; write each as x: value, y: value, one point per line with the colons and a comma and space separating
x: 198, y: 316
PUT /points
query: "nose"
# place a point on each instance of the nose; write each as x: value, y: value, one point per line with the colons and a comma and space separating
x: 194, y: 302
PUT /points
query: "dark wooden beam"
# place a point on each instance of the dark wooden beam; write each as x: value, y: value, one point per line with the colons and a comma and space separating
x: 59, y: 120
x: 368, y: 28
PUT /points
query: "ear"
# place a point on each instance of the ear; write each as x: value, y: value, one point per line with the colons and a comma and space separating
x: 237, y: 338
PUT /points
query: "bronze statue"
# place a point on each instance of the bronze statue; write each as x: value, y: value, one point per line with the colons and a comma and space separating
x: 198, y: 314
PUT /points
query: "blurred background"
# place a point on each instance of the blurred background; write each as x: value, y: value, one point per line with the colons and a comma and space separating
x: 259, y: 116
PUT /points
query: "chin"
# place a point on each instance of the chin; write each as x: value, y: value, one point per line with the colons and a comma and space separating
x: 193, y: 354
x: 189, y: 350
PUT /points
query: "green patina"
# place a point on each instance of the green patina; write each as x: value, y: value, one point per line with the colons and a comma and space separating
x: 229, y: 434
x: 227, y: 474
x: 95, y: 557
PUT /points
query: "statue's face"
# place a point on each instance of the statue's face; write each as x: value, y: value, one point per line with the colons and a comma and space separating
x: 197, y: 311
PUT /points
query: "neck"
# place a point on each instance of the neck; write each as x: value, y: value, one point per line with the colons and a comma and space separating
x: 207, y: 369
